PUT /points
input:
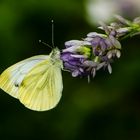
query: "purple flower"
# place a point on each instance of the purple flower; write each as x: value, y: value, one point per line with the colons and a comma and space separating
x: 102, y: 43
x: 72, y: 64
x: 85, y: 57
x: 74, y: 55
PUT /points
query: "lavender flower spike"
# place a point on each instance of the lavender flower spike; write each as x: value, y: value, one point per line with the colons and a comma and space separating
x: 85, y: 57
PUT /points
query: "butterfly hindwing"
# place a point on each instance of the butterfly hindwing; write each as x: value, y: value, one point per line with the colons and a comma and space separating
x: 42, y: 87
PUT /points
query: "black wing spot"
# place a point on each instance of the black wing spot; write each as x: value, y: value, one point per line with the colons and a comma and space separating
x: 16, y: 85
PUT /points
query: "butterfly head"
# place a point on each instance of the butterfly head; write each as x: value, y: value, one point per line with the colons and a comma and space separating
x: 55, y: 53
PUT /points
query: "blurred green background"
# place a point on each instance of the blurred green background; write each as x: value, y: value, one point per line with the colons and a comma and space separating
x: 108, y: 108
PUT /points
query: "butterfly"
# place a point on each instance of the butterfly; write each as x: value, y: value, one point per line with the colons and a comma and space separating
x: 36, y: 81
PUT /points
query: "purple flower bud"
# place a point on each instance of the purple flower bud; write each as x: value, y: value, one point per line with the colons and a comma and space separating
x: 77, y: 72
x: 78, y: 56
x: 109, y: 54
x: 118, y: 53
x: 95, y: 41
x: 103, y: 44
x: 123, y: 31
x: 109, y: 68
x: 115, y: 42
x: 136, y: 20
x: 74, y: 43
x: 122, y: 20
x: 71, y: 49
x: 95, y: 34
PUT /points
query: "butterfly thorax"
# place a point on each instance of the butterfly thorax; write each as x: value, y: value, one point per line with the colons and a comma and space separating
x: 55, y: 57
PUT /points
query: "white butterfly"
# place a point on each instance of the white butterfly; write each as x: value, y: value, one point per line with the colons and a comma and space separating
x: 36, y: 81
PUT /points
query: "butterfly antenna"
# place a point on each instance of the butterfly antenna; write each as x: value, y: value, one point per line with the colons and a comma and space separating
x: 53, y: 34
x: 40, y: 41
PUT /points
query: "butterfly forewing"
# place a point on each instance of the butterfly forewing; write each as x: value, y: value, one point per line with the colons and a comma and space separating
x: 13, y: 76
